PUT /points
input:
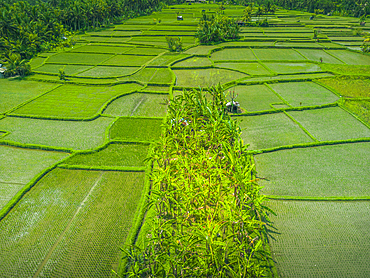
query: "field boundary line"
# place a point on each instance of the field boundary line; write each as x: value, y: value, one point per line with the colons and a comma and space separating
x: 35, y: 146
x: 17, y: 197
x: 102, y: 168
x: 324, y: 199
x: 310, y: 145
x: 301, y: 126
x: 51, y: 250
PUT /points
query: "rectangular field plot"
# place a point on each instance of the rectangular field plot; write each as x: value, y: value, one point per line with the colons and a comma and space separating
x: 194, y: 62
x: 68, y: 69
x: 70, y: 225
x: 255, y: 97
x: 291, y: 68
x: 139, y: 104
x: 113, y: 155
x: 128, y: 60
x: 278, y: 55
x: 272, y: 130
x: 315, y: 55
x: 29, y: 231
x: 167, y: 59
x: 78, y: 58
x: 331, y: 124
x: 91, y: 245
x: 351, y: 58
x: 14, y: 92
x: 249, y: 68
x: 72, y: 101
x: 320, y: 239
x: 325, y: 171
x: 102, y: 49
x: 146, y: 51
x: 304, y: 93
x: 136, y: 129
x: 234, y: 54
x: 18, y: 167
x: 69, y: 134
x: 205, y: 77
x: 108, y: 71
x: 201, y: 49
x: 350, y: 87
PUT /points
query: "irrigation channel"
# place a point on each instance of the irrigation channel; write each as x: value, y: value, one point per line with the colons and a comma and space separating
x: 72, y: 175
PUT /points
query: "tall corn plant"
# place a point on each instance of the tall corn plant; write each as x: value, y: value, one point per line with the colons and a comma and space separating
x: 210, y: 217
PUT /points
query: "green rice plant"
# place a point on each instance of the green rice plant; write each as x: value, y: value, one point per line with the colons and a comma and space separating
x: 106, y: 49
x: 139, y: 104
x: 201, y: 49
x: 255, y: 97
x: 204, y: 198
x: 320, y: 179
x: 163, y: 76
x: 351, y: 58
x: 349, y: 87
x: 167, y: 59
x: 315, y: 55
x: 291, y: 68
x: 18, y: 168
x: 36, y: 62
x: 271, y: 130
x: 331, y: 124
x: 309, y: 238
x: 128, y: 60
x: 108, y: 71
x: 74, y: 102
x: 278, y: 55
x: 146, y: 51
x: 56, y: 133
x: 136, y: 129
x: 41, y: 217
x: 194, y: 62
x: 14, y: 92
x: 113, y: 154
x: 205, y: 77
x: 304, y: 93
x: 361, y: 108
x: 68, y: 69
x: 234, y: 54
x: 91, y: 244
x: 78, y: 58
x: 291, y: 77
x: 120, y: 33
x: 249, y: 68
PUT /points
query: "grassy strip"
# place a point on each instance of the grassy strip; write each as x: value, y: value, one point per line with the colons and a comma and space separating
x: 277, y: 94
x: 34, y: 146
x: 8, y: 207
x: 333, y: 198
x: 204, y: 198
x: 334, y: 56
x: 101, y: 168
x: 355, y: 116
x: 309, y: 145
x: 279, y: 110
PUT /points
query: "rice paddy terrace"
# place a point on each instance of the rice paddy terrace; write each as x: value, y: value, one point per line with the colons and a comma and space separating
x: 72, y: 173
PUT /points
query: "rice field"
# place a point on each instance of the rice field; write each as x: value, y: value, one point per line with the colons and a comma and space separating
x: 73, y: 222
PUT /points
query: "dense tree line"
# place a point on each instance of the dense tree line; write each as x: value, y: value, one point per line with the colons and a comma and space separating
x: 29, y: 27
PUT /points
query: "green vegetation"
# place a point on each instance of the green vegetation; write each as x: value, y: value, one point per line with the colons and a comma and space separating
x: 306, y: 179
x: 304, y: 93
x: 18, y: 168
x: 249, y: 68
x: 278, y: 55
x: 56, y: 133
x: 136, y: 129
x: 113, y: 155
x: 331, y: 124
x: 216, y: 28
x: 234, y: 54
x: 199, y: 154
x: 328, y: 232
x: 272, y: 130
x: 174, y: 44
x: 73, y: 102
x: 291, y: 68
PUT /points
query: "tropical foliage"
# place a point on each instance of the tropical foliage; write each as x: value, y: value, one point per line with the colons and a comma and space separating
x: 218, y: 28
x: 27, y: 29
x: 210, y: 220
x: 174, y: 44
